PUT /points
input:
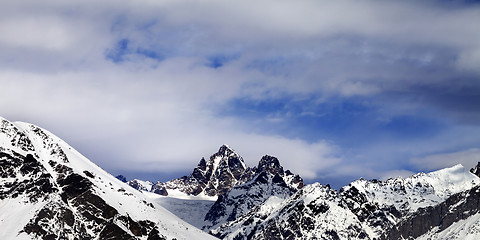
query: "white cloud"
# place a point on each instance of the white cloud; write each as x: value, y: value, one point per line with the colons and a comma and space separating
x: 152, y: 123
x: 49, y: 34
x: 165, y: 114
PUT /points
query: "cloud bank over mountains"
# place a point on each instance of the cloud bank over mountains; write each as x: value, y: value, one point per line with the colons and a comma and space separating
x: 333, y: 89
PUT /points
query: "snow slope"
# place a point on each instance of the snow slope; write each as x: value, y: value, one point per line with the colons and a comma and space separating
x: 91, y: 199
x: 191, y: 210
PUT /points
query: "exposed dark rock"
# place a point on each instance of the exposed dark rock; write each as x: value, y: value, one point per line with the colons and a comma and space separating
x: 141, y: 228
x: 217, y: 210
x: 278, y: 180
x: 68, y: 217
x: 62, y: 203
x: 457, y: 207
x: 159, y: 189
x: 476, y: 170
x: 137, y: 185
x: 88, y: 174
x: 112, y: 231
x: 215, y: 177
x: 74, y: 185
x: 331, y: 235
x: 271, y: 165
x: 36, y: 182
x: 155, y: 235
x: 318, y: 208
x: 202, y: 165
x: 91, y: 212
x: 121, y: 178
x: 241, y: 203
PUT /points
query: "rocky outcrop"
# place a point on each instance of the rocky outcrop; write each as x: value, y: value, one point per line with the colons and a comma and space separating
x: 458, y: 207
x: 121, y: 178
x: 71, y: 206
x: 24, y: 176
x: 269, y: 182
x: 476, y: 170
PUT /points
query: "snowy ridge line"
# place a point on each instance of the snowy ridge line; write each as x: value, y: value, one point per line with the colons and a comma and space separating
x: 52, y: 191
x: 55, y: 192
x: 361, y: 210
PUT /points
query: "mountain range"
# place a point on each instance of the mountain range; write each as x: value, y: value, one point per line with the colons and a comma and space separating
x: 50, y: 191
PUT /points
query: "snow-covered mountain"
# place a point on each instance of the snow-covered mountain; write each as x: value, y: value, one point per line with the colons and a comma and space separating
x: 266, y: 202
x: 441, y: 219
x: 239, y: 188
x: 270, y: 183
x: 391, y: 209
x: 224, y: 170
x: 50, y: 191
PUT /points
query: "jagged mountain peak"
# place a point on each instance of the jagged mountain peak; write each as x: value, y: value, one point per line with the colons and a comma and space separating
x: 393, y: 209
x: 220, y: 173
x: 202, y: 165
x: 270, y: 164
x: 224, y: 170
x: 265, y: 187
x: 226, y: 150
x: 226, y: 159
x: 227, y: 154
x: 476, y: 170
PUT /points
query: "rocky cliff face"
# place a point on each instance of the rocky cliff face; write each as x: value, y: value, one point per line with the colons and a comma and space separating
x: 435, y: 219
x: 267, y: 207
x: 269, y: 185
x: 50, y: 191
x: 223, y: 170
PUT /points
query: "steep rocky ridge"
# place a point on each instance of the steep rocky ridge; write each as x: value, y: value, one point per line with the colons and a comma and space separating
x: 223, y: 170
x: 50, y: 191
x: 56, y: 193
x: 269, y: 183
x: 459, y: 206
x: 392, y: 209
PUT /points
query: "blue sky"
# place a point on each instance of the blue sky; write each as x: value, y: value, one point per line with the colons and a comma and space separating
x: 336, y: 90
